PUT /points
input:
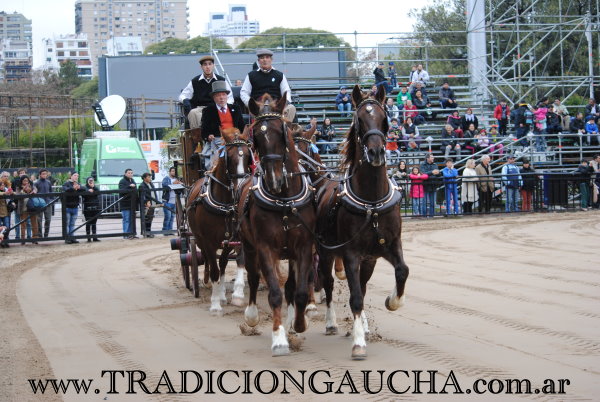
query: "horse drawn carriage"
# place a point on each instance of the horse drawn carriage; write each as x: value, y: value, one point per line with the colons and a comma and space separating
x: 278, y: 214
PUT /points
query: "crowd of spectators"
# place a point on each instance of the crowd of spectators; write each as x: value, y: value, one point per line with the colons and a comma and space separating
x: 29, y: 204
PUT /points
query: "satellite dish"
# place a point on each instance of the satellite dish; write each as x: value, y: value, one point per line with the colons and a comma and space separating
x: 113, y: 107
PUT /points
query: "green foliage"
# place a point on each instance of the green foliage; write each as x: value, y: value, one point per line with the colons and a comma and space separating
x: 200, y: 44
x: 294, y: 37
x: 87, y: 89
x: 68, y: 76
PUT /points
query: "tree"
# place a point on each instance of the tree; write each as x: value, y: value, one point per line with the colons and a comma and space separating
x: 68, y: 76
x: 87, y: 89
x: 294, y: 37
x: 200, y: 44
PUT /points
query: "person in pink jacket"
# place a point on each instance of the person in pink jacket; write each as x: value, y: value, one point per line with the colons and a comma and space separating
x: 539, y: 116
x: 417, y: 193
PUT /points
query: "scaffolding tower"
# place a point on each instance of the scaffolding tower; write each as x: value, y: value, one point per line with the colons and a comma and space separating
x: 533, y: 48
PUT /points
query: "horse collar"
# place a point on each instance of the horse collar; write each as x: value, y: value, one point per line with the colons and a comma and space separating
x: 357, y: 205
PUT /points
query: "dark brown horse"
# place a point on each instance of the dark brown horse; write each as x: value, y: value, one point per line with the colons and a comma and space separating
x: 359, y: 218
x: 212, y: 213
x: 277, y: 219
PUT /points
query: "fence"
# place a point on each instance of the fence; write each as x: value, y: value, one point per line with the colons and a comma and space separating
x: 59, y: 222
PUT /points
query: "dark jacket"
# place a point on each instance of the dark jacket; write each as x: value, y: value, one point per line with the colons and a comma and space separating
x: 446, y: 93
x: 91, y: 200
x: 433, y: 181
x: 379, y: 76
x: 421, y: 103
x: 576, y: 125
x: 529, y: 178
x: 166, y: 182
x: 71, y: 195
x: 449, y: 138
x: 202, y: 90
x: 211, y: 122
x: 147, y: 193
x: 340, y: 98
x: 43, y: 187
x: 464, y: 123
x: 584, y: 173
x: 124, y: 184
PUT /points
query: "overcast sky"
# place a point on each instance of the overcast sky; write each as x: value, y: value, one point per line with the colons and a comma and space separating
x: 51, y: 17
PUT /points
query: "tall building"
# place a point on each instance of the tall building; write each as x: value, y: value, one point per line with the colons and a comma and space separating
x: 124, y: 46
x: 233, y: 27
x: 68, y: 47
x: 15, y: 47
x: 150, y: 20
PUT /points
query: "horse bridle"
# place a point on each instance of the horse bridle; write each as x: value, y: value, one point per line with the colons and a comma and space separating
x: 371, y: 132
x: 262, y: 121
x: 231, y: 176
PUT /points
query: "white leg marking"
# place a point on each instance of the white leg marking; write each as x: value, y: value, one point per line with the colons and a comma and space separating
x: 222, y: 291
x: 251, y: 315
x: 280, y: 346
x: 237, y: 298
x: 393, y: 302
x: 365, y: 323
x: 330, y: 321
x: 358, y: 332
x: 215, y: 300
x: 289, y: 320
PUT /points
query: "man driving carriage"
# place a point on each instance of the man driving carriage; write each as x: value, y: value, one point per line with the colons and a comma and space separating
x: 267, y: 79
x: 196, y: 95
x: 220, y: 114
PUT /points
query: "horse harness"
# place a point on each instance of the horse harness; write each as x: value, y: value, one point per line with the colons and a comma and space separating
x: 369, y: 107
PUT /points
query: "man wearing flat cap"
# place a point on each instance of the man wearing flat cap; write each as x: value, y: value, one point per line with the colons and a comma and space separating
x: 220, y: 114
x: 267, y: 80
x: 196, y: 95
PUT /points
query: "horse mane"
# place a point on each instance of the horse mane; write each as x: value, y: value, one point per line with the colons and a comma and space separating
x: 349, y: 148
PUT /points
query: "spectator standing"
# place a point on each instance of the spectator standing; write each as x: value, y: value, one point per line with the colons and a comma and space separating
x: 44, y: 186
x: 451, y: 187
x: 529, y: 182
x: 343, y: 102
x: 595, y: 165
x: 584, y: 173
x: 196, y: 95
x: 468, y: 190
x: 410, y: 135
x: 16, y: 181
x: 485, y: 184
x: 168, y: 198
x: 430, y: 185
x: 417, y: 192
x: 512, y: 182
x: 447, y: 97
x: 420, y: 75
x: 412, y: 78
x: 591, y: 130
x: 91, y: 208
x: 400, y: 174
x: 5, y: 190
x: 501, y: 114
x: 450, y: 141
x: 147, y: 198
x: 468, y: 119
x: 540, y: 127
x: 523, y: 121
x: 73, y: 192
x: 26, y: 188
x: 563, y: 113
x: 126, y: 185
x: 392, y: 74
x: 402, y: 97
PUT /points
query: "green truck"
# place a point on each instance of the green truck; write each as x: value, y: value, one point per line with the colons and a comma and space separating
x: 106, y: 156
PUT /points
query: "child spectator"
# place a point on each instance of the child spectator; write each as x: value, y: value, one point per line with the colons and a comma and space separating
x: 410, y: 135
x: 450, y: 141
x: 468, y: 119
x: 402, y: 97
x: 417, y: 192
x: 483, y: 141
x: 511, y: 179
x: 450, y: 174
x: 501, y: 114
x: 591, y: 130
x: 456, y: 122
x: 468, y: 192
x: 540, y: 127
x: 343, y: 102
x: 392, y: 74
x: 391, y: 145
x: 529, y: 182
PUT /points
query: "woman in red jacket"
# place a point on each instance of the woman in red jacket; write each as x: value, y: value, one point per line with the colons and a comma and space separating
x: 417, y: 193
x: 501, y: 113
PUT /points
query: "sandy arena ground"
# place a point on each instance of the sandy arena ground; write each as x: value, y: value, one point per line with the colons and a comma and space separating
x: 495, y: 298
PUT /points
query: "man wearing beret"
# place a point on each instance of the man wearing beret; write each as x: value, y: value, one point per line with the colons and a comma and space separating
x: 218, y: 116
x: 196, y: 95
x: 266, y: 79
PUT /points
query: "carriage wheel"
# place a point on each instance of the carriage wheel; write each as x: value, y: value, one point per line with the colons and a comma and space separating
x: 185, y: 271
x: 194, y: 268
x: 179, y: 217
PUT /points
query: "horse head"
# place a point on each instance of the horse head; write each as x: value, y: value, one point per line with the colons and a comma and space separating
x: 303, y: 138
x: 237, y: 153
x: 271, y: 139
x: 367, y: 136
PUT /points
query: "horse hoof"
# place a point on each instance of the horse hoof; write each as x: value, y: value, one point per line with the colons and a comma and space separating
x: 393, y: 305
x: 280, y: 350
x: 331, y: 331
x: 206, y: 285
x: 341, y: 275
x: 302, y: 327
x: 216, y: 312
x: 311, y: 311
x: 237, y: 301
x: 251, y: 316
x: 359, y: 352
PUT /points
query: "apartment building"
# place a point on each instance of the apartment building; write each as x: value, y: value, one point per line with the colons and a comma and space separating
x: 234, y: 27
x: 74, y: 47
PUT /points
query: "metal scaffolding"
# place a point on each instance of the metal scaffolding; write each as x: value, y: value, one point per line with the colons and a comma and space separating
x: 537, y: 48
